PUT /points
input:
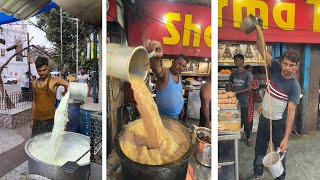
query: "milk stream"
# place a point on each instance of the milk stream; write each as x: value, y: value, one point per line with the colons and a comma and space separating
x: 271, y: 146
x: 60, y: 121
x: 149, y: 111
x: 147, y: 140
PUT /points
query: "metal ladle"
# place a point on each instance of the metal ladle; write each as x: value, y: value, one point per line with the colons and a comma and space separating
x: 72, y: 166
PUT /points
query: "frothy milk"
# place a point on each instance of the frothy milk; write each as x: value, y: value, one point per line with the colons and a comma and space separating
x: 60, y: 120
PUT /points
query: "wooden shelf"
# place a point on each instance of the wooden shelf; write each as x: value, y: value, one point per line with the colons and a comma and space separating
x: 193, y: 74
x: 252, y: 63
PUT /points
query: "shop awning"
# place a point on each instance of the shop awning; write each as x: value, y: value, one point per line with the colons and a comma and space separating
x: 15, y: 10
x: 89, y: 11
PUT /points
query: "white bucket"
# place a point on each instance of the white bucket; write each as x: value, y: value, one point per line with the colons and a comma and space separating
x: 273, y: 163
x: 78, y: 90
x: 124, y: 60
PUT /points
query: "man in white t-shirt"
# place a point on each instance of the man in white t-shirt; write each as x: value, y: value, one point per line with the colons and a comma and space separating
x: 59, y: 95
x: 24, y: 84
x: 83, y: 77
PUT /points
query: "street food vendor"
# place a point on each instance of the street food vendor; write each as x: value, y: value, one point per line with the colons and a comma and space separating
x: 169, y: 97
x: 280, y: 105
x: 44, y: 98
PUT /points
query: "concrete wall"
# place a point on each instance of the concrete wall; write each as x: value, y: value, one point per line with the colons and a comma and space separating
x: 115, y: 100
x: 314, y: 78
x: 308, y: 76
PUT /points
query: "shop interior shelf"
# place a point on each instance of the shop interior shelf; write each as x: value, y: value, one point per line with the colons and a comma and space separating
x: 191, y: 74
x: 223, y: 77
x: 231, y: 63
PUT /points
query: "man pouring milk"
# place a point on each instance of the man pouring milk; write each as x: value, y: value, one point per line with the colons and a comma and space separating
x: 285, y: 93
x: 44, y: 97
x: 169, y: 97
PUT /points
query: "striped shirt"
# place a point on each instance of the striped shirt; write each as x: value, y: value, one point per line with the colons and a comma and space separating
x: 282, y: 90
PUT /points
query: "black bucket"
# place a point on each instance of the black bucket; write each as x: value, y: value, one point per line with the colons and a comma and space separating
x: 176, y: 170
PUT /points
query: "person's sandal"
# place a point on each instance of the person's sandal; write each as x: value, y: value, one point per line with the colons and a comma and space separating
x: 249, y: 142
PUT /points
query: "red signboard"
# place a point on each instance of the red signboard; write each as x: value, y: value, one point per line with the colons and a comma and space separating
x: 296, y: 21
x: 181, y: 28
x: 112, y: 10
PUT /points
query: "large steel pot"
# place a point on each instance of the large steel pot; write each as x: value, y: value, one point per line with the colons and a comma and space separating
x: 176, y: 170
x: 56, y: 172
x: 203, y: 150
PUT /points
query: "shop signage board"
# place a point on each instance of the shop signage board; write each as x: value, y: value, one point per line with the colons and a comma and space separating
x: 284, y: 21
x: 180, y: 27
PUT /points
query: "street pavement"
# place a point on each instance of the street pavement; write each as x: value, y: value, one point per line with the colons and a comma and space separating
x: 302, y: 157
x: 13, y: 159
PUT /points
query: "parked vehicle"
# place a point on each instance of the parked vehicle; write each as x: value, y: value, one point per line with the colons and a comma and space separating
x: 7, y: 79
x: 55, y: 73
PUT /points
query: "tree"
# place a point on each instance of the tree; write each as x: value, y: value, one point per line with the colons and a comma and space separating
x: 3, y: 92
x: 50, y: 23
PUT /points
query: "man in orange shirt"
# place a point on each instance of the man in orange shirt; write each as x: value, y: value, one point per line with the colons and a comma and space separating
x: 44, y: 97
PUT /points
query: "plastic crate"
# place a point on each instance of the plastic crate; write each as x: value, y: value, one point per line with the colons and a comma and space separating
x: 96, y: 138
x: 85, y: 116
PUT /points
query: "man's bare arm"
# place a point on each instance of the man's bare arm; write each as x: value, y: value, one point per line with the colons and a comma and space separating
x: 34, y: 83
x: 155, y: 65
x: 205, y: 96
x: 289, y: 123
x: 60, y: 81
x: 249, y: 88
x: 290, y: 118
x: 155, y: 60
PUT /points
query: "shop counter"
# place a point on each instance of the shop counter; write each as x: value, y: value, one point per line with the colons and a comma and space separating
x: 229, y: 125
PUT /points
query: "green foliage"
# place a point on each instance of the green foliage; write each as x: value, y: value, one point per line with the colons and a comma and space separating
x: 50, y: 23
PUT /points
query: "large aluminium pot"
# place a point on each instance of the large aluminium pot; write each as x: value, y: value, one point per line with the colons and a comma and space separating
x: 176, y: 170
x: 52, y: 171
x: 203, y: 150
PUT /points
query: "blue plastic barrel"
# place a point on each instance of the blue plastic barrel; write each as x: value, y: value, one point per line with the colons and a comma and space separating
x: 85, y: 116
x: 74, y: 115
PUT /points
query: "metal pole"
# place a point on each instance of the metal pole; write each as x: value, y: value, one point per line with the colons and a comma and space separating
x: 29, y: 72
x: 95, y: 66
x: 236, y: 159
x: 61, y: 60
x: 77, y: 60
